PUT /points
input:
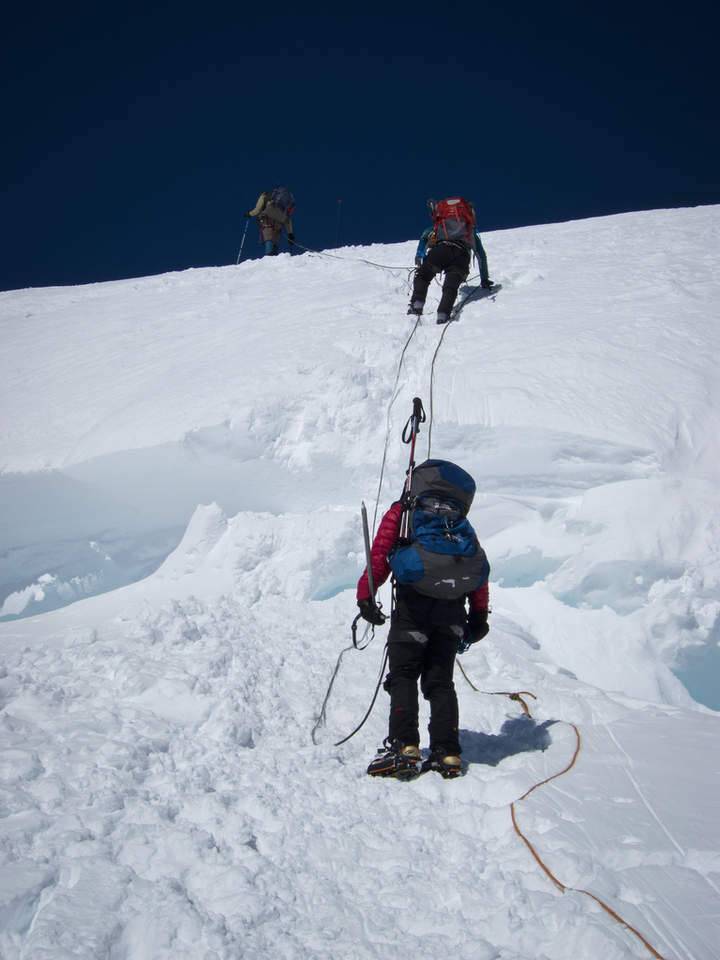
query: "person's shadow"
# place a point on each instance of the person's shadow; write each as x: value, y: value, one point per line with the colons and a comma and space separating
x: 478, y: 292
x: 517, y: 735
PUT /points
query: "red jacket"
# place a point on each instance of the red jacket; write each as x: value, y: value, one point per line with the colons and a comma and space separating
x: 384, y: 540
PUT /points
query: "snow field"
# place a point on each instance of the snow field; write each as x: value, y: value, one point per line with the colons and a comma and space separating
x: 161, y: 792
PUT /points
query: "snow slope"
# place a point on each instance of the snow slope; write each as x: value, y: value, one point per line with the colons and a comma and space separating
x: 168, y: 789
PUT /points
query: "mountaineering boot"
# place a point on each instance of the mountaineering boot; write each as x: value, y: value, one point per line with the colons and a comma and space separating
x: 447, y: 765
x: 442, y: 318
x: 416, y: 307
x: 395, y: 760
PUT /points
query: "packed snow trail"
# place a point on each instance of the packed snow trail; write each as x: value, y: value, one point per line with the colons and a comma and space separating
x: 161, y: 792
x: 161, y: 774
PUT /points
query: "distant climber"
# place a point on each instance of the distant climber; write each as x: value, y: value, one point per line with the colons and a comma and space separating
x: 446, y: 247
x: 273, y: 211
x: 437, y: 565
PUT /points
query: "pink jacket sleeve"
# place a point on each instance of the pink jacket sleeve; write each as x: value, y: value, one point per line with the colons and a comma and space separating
x: 480, y: 598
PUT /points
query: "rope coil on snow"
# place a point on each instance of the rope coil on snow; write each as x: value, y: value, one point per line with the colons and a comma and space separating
x: 517, y: 696
x: 561, y: 886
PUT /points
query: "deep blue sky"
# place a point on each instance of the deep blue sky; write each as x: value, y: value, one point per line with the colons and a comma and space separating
x: 136, y: 135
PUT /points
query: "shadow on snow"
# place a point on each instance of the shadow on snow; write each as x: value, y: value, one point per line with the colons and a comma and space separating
x: 517, y: 735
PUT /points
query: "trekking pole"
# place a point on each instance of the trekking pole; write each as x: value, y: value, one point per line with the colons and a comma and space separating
x: 242, y: 244
x: 409, y: 435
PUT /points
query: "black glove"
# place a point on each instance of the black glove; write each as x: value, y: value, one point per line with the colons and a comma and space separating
x: 370, y: 611
x: 476, y: 628
x: 478, y: 624
x: 486, y: 284
x: 418, y: 261
x: 247, y: 214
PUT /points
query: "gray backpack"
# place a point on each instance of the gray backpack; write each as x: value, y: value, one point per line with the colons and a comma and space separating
x: 441, y: 556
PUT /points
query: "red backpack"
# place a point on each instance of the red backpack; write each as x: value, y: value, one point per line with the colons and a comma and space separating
x: 453, y: 219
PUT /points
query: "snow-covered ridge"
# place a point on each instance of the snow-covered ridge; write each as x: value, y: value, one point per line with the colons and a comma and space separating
x: 214, y: 431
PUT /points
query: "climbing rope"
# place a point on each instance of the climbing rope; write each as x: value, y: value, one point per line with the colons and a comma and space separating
x: 395, y: 392
x: 561, y: 886
x: 371, y: 263
x: 432, y: 378
x: 394, y: 395
x: 372, y: 702
x: 518, y: 697
x: 321, y: 720
x: 417, y: 411
x: 455, y: 315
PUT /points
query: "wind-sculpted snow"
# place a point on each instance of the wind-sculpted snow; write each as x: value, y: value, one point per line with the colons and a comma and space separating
x: 168, y: 789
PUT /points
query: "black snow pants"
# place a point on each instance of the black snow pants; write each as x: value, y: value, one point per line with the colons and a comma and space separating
x: 422, y: 644
x: 455, y: 261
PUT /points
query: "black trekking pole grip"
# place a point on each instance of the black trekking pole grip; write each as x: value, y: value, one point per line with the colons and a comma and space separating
x: 412, y: 427
x: 413, y: 424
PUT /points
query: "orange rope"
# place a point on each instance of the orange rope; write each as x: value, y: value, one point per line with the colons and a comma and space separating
x: 561, y: 886
x: 558, y: 884
x: 501, y: 693
x: 518, y: 698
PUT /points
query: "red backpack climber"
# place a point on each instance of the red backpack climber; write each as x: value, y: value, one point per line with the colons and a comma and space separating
x: 454, y: 220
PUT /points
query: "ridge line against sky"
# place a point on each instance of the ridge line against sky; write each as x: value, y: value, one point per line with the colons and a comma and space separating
x: 137, y: 137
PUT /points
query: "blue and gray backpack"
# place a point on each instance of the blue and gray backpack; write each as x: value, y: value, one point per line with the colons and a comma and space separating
x: 282, y: 197
x: 441, y: 556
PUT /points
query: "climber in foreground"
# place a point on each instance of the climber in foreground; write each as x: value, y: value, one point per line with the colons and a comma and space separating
x: 426, y: 541
x: 446, y: 247
x: 273, y: 211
